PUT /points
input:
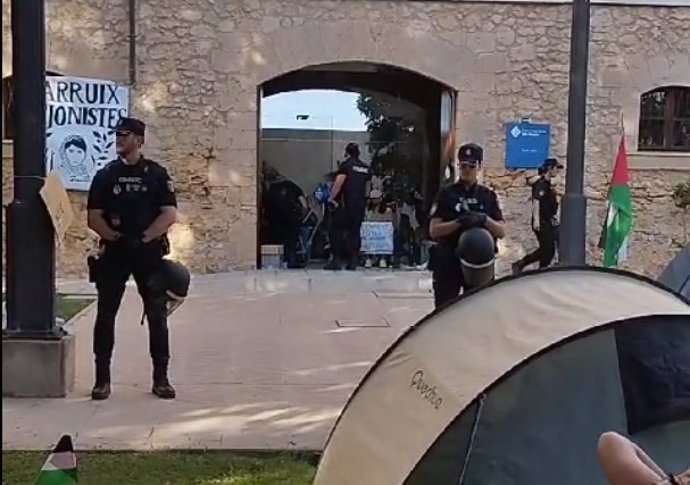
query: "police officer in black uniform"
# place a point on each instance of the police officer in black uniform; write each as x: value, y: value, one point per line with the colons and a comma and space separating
x: 544, y: 218
x: 131, y: 205
x: 463, y: 205
x: 348, y: 203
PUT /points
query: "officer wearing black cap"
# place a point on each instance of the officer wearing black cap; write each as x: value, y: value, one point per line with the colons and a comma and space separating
x: 544, y: 217
x: 131, y: 205
x: 348, y: 202
x: 458, y: 207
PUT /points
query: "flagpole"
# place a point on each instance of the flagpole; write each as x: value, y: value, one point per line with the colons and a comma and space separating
x: 573, y: 233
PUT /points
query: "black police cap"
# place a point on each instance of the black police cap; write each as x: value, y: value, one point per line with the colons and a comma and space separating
x: 132, y: 125
x: 471, y: 152
x: 552, y: 163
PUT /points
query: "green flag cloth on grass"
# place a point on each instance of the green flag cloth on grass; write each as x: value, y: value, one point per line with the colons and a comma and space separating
x: 61, y: 466
x: 619, y: 218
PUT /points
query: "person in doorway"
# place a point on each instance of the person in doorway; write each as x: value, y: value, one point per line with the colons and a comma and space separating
x: 458, y: 207
x: 348, y: 204
x: 625, y: 463
x: 284, y: 207
x: 544, y: 217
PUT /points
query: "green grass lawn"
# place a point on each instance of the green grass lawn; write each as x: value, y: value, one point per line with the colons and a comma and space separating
x: 167, y: 468
x: 67, y: 306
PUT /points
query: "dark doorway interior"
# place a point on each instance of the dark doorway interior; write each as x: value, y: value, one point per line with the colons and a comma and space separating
x: 420, y: 168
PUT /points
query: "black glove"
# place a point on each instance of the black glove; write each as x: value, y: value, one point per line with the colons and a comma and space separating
x: 472, y: 219
x: 131, y: 243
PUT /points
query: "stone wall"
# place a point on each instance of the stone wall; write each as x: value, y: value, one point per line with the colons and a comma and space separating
x: 199, y: 65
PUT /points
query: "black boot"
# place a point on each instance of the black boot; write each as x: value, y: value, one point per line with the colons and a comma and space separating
x: 161, y: 384
x: 101, y: 389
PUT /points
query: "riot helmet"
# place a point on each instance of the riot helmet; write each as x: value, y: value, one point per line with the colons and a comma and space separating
x: 477, y: 252
x: 172, y: 279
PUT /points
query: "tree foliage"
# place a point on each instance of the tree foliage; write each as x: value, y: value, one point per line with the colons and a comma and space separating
x: 396, y: 142
x: 681, y: 194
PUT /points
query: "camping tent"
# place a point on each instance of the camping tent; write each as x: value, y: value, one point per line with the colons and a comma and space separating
x: 676, y: 276
x: 512, y: 384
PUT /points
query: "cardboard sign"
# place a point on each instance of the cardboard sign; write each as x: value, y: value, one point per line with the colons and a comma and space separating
x: 57, y: 202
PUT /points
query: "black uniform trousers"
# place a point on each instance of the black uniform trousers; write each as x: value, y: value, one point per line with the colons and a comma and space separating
x: 345, y: 235
x: 115, y: 266
x: 447, y: 278
x: 547, y: 236
x: 286, y: 231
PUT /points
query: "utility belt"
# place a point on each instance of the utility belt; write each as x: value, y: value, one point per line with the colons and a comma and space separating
x: 127, y: 246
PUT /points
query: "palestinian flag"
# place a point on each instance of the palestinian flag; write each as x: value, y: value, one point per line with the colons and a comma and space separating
x: 61, y: 466
x: 619, y: 219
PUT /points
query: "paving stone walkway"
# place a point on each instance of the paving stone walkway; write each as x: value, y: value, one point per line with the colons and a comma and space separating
x: 262, y: 360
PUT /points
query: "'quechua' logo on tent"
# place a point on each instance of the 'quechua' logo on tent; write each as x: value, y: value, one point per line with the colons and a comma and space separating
x: 426, y: 390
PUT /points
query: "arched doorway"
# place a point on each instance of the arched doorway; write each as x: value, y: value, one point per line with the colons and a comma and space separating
x: 406, y: 139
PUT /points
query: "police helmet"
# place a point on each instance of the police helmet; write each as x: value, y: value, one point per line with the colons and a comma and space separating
x: 476, y: 250
x: 173, y: 280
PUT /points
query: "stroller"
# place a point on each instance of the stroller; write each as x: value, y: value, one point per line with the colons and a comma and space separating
x: 313, y: 241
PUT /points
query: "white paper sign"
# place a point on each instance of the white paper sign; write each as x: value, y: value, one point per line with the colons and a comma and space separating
x: 80, y: 116
x: 377, y: 237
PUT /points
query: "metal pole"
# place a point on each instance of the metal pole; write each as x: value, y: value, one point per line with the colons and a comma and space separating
x: 30, y: 236
x: 572, y: 247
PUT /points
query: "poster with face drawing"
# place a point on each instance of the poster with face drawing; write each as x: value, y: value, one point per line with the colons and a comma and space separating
x: 81, y: 115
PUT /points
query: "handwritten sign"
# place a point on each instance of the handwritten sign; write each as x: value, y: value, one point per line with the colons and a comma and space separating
x: 59, y: 207
x: 377, y: 237
x: 80, y: 117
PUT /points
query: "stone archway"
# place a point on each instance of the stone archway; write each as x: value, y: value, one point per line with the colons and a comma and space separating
x: 249, y: 60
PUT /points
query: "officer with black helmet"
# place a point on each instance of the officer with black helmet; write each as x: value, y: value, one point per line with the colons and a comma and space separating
x: 348, y: 204
x: 465, y: 221
x: 131, y: 205
x: 544, y: 217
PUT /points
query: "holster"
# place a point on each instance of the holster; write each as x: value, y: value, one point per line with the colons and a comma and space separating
x: 93, y: 262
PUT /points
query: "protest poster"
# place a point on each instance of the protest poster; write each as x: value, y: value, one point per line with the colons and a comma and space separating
x: 377, y: 238
x: 81, y: 114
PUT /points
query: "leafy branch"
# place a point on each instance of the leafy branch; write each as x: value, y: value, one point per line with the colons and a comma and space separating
x: 101, y: 147
x: 681, y: 194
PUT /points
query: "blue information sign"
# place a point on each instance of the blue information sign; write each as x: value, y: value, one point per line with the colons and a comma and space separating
x: 527, y: 144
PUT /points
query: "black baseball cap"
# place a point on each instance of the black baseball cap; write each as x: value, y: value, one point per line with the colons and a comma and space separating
x: 132, y: 125
x: 471, y: 153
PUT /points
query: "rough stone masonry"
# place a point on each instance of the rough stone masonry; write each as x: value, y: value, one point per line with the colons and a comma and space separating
x: 199, y: 64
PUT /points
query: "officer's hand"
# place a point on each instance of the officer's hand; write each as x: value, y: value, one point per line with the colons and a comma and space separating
x: 536, y: 226
x: 131, y: 243
x: 146, y: 238
x: 332, y: 204
x: 111, y: 236
x: 472, y: 219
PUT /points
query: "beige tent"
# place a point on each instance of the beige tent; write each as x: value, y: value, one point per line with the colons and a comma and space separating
x: 511, y: 385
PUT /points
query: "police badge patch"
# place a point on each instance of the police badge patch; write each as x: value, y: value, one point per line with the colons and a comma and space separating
x: 171, y: 186
x: 116, y: 189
